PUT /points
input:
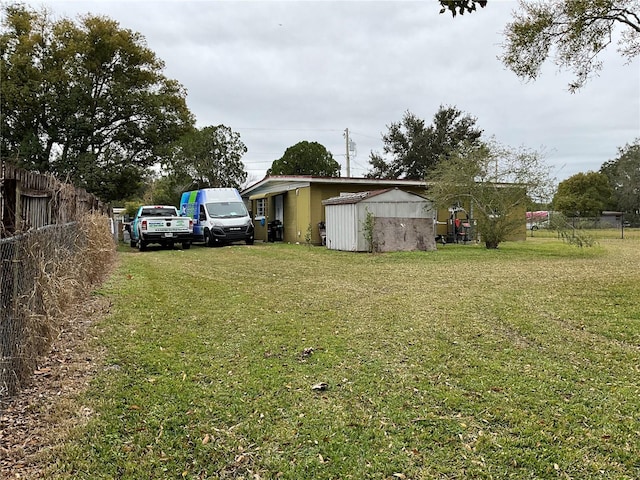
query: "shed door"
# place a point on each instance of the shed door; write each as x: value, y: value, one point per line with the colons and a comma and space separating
x: 279, y: 206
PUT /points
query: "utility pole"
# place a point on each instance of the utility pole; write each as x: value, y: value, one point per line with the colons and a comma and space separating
x: 346, y: 136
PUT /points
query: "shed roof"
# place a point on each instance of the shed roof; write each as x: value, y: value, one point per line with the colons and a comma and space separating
x: 356, y: 197
x: 353, y: 197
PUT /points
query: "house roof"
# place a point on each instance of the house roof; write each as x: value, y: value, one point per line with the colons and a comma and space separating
x: 282, y: 183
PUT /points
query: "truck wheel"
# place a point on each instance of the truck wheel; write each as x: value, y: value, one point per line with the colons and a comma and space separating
x: 142, y: 245
x: 133, y: 243
x: 249, y: 240
x: 186, y: 245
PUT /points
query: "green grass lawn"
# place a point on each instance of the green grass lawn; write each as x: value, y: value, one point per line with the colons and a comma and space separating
x: 521, y: 362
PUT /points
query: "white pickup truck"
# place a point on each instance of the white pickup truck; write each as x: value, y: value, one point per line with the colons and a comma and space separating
x: 160, y: 224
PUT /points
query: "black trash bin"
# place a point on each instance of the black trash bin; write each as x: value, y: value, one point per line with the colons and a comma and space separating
x: 274, y: 231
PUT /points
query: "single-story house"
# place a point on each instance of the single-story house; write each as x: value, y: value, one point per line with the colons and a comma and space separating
x: 386, y: 220
x: 289, y: 207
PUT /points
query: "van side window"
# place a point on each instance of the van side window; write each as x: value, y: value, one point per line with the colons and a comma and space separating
x: 203, y: 215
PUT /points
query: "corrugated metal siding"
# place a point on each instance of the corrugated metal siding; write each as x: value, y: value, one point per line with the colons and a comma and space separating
x: 345, y: 221
x: 342, y: 227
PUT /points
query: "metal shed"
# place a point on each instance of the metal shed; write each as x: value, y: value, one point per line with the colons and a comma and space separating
x: 402, y: 221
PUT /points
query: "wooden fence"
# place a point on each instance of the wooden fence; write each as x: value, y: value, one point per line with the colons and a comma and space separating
x: 30, y: 200
x: 41, y: 241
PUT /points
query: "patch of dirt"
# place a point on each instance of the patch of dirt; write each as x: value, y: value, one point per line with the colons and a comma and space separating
x: 38, y: 418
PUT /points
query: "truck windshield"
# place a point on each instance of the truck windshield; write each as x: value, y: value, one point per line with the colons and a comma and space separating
x: 226, y: 210
x: 159, y: 212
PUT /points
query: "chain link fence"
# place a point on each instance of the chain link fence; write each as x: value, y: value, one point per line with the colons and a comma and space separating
x: 585, y: 230
x: 42, y: 273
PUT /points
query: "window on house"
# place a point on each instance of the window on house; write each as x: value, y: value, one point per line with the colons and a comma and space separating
x: 261, y: 207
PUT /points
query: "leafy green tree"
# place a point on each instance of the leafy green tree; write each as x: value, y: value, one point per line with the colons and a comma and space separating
x: 624, y: 177
x: 494, y: 183
x: 461, y: 6
x: 131, y: 207
x: 583, y: 195
x: 165, y: 190
x: 571, y: 32
x: 415, y: 149
x: 210, y: 157
x: 306, y: 158
x: 85, y: 100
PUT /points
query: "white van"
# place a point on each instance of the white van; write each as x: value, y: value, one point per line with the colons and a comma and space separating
x: 219, y: 216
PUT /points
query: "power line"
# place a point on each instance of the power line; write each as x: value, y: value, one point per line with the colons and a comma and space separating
x: 364, y: 135
x: 271, y: 129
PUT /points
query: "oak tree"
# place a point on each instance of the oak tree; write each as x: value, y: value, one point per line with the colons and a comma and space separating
x: 411, y: 149
x: 461, y: 6
x: 583, y: 195
x: 85, y: 99
x: 624, y: 178
x: 306, y: 158
x: 573, y: 33
x: 210, y: 157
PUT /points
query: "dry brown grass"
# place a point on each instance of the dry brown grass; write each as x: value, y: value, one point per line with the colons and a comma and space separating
x: 64, y: 270
x: 57, y: 315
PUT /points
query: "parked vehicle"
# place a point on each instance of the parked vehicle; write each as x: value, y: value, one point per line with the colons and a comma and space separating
x: 219, y: 216
x: 160, y: 224
x: 538, y: 219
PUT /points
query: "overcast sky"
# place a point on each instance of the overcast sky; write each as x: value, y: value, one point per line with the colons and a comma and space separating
x: 282, y: 72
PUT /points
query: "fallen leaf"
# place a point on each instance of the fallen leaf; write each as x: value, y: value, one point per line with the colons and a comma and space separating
x: 206, y: 439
